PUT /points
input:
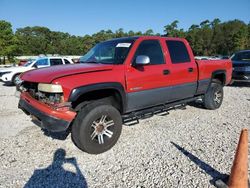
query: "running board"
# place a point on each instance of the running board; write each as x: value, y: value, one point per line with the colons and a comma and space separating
x: 133, y: 117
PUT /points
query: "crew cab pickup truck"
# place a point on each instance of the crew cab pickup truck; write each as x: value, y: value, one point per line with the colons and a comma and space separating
x: 118, y: 79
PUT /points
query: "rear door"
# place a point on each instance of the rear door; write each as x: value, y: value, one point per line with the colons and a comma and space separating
x: 183, y: 69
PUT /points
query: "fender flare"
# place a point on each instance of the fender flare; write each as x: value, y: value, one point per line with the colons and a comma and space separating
x: 79, y: 91
x: 219, y: 72
x: 17, y: 73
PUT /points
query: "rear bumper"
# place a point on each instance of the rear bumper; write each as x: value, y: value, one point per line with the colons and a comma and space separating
x: 50, y: 119
x: 241, y: 76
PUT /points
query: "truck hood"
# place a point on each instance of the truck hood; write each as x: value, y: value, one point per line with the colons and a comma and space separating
x: 48, y: 74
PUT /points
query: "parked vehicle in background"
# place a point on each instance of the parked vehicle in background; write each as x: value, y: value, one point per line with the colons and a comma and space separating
x: 76, y: 61
x: 201, y: 57
x: 11, y: 74
x: 241, y: 66
x: 217, y: 57
x: 22, y: 62
x: 126, y: 77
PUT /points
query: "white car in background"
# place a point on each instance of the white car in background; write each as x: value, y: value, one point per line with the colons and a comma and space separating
x: 10, y: 74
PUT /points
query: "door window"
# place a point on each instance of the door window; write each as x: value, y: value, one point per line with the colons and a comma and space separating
x: 152, y: 49
x: 178, y: 51
x: 56, y: 62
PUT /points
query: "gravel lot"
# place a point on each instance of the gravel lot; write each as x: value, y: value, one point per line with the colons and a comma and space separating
x: 187, y: 148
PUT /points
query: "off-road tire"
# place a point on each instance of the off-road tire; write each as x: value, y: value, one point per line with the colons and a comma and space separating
x: 82, y: 127
x: 214, y: 96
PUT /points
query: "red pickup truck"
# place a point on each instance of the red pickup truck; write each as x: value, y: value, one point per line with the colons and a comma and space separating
x: 118, y: 79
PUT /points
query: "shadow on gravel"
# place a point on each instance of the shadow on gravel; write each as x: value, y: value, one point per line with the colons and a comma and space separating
x: 197, y: 104
x: 8, y: 84
x: 54, y: 135
x: 216, y: 175
x: 56, y: 176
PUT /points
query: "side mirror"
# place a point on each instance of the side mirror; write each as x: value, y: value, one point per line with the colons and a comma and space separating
x: 142, y: 60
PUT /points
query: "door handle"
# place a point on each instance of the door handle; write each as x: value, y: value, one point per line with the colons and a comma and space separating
x: 190, y: 69
x: 166, y: 72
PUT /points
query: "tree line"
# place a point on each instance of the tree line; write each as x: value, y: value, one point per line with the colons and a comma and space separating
x: 207, y: 38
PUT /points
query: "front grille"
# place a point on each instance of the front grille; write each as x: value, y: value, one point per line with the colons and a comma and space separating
x: 47, y: 98
x: 31, y: 88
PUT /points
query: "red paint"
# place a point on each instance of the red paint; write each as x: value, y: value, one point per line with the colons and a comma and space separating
x: 147, y: 77
x: 64, y: 115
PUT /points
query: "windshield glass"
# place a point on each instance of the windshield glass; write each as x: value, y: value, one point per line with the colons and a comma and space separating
x: 109, y: 52
x: 241, y: 56
x: 28, y: 63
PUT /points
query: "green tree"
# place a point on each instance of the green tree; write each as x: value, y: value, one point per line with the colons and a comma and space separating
x: 171, y: 30
x: 208, y: 38
x: 36, y: 40
x: 8, y: 41
x: 149, y: 32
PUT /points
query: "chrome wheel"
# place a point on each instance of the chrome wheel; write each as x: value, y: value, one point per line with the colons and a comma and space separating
x: 218, y: 97
x: 16, y: 80
x: 101, y: 129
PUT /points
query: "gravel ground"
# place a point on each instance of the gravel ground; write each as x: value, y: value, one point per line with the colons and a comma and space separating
x: 187, y: 148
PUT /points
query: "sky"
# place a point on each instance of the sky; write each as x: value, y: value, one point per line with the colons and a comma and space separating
x: 80, y: 17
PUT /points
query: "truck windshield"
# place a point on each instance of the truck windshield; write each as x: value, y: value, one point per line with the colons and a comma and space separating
x: 28, y: 63
x: 109, y: 52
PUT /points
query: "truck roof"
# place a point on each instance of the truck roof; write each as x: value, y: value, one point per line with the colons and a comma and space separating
x: 144, y: 37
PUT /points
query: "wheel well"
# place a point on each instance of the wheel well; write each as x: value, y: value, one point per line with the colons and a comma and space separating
x: 111, y: 95
x: 220, y: 76
x: 13, y: 77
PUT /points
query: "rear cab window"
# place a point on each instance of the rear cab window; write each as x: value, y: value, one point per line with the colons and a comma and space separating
x: 178, y: 51
x: 56, y: 62
x: 152, y: 49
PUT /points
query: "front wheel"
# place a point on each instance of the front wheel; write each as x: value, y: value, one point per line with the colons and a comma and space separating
x: 97, y: 128
x: 214, y: 96
x: 15, y: 79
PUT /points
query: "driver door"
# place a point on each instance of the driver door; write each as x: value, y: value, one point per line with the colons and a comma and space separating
x: 146, y: 84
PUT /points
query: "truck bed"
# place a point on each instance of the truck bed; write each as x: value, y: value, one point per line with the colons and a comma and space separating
x: 207, y: 67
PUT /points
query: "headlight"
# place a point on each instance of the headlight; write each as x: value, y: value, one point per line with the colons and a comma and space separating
x: 50, y: 88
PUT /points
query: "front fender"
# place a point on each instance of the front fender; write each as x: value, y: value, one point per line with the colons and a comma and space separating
x: 78, y: 92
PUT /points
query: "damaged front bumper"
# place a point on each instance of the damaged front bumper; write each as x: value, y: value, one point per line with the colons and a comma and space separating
x: 51, y: 119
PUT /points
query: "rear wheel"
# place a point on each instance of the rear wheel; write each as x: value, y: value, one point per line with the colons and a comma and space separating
x: 97, y: 127
x: 214, y: 95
